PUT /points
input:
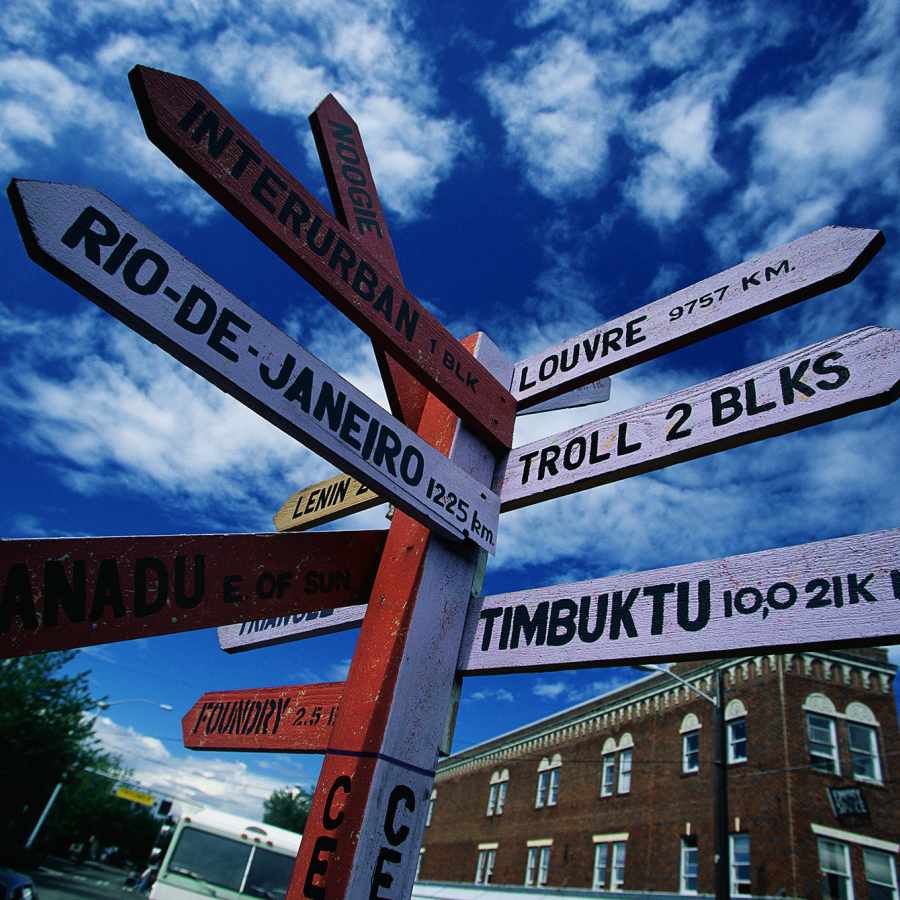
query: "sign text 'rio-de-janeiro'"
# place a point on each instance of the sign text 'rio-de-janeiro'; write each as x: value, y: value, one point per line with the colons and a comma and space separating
x: 804, y: 268
x: 825, y: 381
x: 200, y: 136
x: 89, y: 242
x: 57, y: 593
x: 293, y: 719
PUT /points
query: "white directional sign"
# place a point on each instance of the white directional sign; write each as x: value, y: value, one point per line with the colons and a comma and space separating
x: 89, y: 242
x: 277, y: 629
x: 781, y: 277
x: 595, y: 392
x: 832, y: 593
x: 825, y: 381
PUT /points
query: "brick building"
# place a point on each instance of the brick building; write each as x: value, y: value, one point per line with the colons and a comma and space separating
x: 617, y: 793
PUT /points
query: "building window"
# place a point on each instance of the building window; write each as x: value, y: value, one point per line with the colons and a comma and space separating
x: 834, y: 864
x: 624, y: 771
x: 608, y: 779
x: 548, y: 781
x: 419, y: 863
x: 740, y: 865
x: 690, y: 752
x: 618, y: 866
x: 881, y: 875
x: 485, y: 869
x: 430, y: 811
x: 864, y: 752
x: 689, y: 865
x: 609, y: 861
x: 497, y: 792
x: 737, y: 740
x: 537, y: 870
x: 820, y: 732
x: 601, y: 865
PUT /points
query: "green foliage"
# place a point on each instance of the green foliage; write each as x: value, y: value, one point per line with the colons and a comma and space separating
x: 287, y: 808
x: 46, y: 736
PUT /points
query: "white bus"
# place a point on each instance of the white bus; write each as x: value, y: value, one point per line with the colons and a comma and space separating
x: 215, y: 854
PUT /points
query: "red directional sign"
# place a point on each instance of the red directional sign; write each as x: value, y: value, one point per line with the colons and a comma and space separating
x: 59, y: 593
x: 358, y: 208
x: 199, y: 135
x: 293, y: 719
x: 804, y: 268
x: 825, y: 381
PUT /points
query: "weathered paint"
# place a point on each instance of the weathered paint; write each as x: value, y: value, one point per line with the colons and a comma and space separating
x: 831, y: 593
x: 256, y: 633
x: 292, y: 719
x: 324, y: 502
x: 825, y: 381
x: 595, y: 392
x: 804, y: 268
x: 369, y: 809
x: 92, y: 244
x: 58, y: 593
x: 357, y: 207
x: 200, y: 136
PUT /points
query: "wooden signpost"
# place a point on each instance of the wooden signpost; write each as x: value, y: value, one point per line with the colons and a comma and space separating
x: 200, y: 136
x: 324, y: 502
x: 416, y: 592
x: 294, y: 719
x: 58, y: 593
x: 825, y: 381
x: 804, y: 268
x: 92, y: 244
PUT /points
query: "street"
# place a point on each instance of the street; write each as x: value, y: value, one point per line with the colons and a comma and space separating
x: 58, y: 878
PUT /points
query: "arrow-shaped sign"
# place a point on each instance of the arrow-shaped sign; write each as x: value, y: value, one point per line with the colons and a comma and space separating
x: 200, y: 136
x: 825, y: 381
x: 804, y: 268
x: 324, y: 502
x: 89, y: 242
x: 293, y: 719
x: 831, y: 593
x: 59, y: 593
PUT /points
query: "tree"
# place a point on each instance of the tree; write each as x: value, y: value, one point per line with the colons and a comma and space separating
x: 287, y: 808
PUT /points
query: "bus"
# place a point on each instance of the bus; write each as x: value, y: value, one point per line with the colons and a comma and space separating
x: 215, y: 854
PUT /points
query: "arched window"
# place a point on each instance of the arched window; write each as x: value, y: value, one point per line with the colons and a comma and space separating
x: 690, y: 743
x: 862, y: 733
x: 616, y: 755
x: 821, y: 734
x: 497, y: 792
x: 548, y: 781
x: 736, y: 731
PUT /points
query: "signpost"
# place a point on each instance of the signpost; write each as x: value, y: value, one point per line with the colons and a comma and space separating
x: 200, y: 136
x: 804, y: 268
x: 93, y: 245
x: 126, y: 793
x: 59, y: 593
x: 825, y: 381
x: 294, y: 719
x: 324, y: 502
x: 416, y: 590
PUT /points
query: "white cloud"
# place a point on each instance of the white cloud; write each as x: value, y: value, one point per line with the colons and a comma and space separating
x: 338, y: 671
x: 500, y: 695
x: 550, y: 690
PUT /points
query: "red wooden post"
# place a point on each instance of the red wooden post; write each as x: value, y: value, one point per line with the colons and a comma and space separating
x: 369, y: 808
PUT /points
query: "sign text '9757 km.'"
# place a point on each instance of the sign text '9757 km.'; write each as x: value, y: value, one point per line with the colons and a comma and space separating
x: 92, y: 244
x: 825, y: 381
x: 804, y: 268
x: 200, y: 136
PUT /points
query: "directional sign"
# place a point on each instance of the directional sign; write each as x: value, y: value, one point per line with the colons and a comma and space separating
x: 294, y: 719
x: 811, y: 265
x: 135, y: 796
x: 595, y: 392
x: 86, y: 240
x: 200, y: 136
x: 73, y: 592
x: 325, y: 501
x: 358, y: 208
x: 266, y: 632
x: 830, y: 593
x: 825, y: 381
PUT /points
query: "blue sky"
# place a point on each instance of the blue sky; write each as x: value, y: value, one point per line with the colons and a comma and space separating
x: 546, y: 166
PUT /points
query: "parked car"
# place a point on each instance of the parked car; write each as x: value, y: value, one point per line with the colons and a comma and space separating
x: 16, y: 886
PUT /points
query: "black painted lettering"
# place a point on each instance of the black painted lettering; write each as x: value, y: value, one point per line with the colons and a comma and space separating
x: 215, y: 142
x: 296, y: 210
x: 533, y: 628
x: 821, y: 367
x: 18, y: 599
x: 562, y: 627
x: 58, y: 589
x: 222, y: 332
x: 267, y: 186
x: 206, y: 311
x: 107, y: 591
x: 792, y: 382
x: 182, y: 598
x: 82, y: 230
x: 726, y: 405
x: 620, y: 618
x: 142, y: 568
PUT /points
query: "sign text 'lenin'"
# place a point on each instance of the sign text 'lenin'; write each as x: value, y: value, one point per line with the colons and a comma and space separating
x: 57, y: 593
x: 92, y: 244
x: 324, y: 502
x: 834, y: 378
x: 200, y: 136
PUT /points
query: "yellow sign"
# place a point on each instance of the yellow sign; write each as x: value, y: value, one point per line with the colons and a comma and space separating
x: 324, y: 501
x: 135, y: 796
